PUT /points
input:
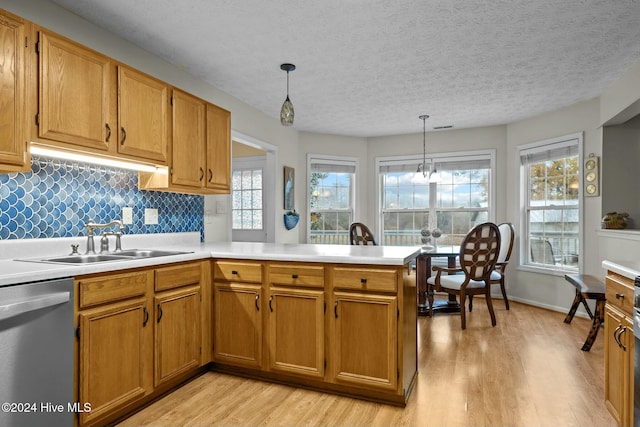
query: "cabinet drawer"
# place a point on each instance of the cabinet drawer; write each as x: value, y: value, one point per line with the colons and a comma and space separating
x: 238, y: 271
x: 115, y: 287
x: 619, y: 292
x: 365, y: 279
x: 177, y: 276
x: 296, y: 275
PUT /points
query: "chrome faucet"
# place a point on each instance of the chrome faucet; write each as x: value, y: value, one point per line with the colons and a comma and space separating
x: 103, y: 247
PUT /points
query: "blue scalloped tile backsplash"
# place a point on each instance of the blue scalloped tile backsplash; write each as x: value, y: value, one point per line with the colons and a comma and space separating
x: 58, y: 197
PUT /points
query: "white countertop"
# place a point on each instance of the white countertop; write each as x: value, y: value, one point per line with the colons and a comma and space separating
x: 13, y: 270
x: 629, y: 269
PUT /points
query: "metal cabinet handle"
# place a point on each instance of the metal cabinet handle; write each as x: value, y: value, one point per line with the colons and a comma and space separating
x: 622, y: 331
x: 363, y: 280
x: 257, y: 299
x: 124, y: 135
x: 201, y: 174
x: 615, y: 335
x: 108, y: 131
x: 210, y: 175
x: 270, y: 306
x: 335, y: 309
x: 619, y: 296
x: 146, y: 317
x: 159, y: 313
x: 235, y: 272
x: 294, y: 276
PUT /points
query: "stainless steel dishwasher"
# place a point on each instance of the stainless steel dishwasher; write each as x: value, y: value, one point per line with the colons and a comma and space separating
x: 36, y: 354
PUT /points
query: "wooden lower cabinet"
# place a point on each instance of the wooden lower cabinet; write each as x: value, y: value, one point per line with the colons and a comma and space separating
x: 135, y: 343
x: 177, y: 340
x: 348, y: 329
x: 115, y: 357
x: 238, y: 324
x: 619, y: 348
x: 296, y: 331
x: 364, y: 333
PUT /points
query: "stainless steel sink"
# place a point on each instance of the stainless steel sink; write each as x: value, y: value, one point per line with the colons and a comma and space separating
x: 127, y: 255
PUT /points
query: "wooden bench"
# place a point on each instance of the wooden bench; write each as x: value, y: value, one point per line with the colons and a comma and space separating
x: 587, y: 287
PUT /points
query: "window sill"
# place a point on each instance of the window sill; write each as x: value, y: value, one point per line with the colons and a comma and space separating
x: 560, y: 272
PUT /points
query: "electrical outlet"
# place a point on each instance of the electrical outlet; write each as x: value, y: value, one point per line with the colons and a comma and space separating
x: 150, y: 216
x: 127, y: 215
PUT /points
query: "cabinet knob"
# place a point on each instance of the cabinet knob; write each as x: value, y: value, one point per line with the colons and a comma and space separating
x: 234, y: 272
x: 294, y: 276
x: 619, y: 296
x: 363, y: 280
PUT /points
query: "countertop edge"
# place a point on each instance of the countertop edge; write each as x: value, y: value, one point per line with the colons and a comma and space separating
x: 629, y: 269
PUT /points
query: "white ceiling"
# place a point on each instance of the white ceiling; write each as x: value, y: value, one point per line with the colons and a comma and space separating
x: 371, y: 67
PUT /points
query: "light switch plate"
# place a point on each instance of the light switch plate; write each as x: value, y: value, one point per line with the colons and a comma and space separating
x: 221, y: 207
x: 150, y: 216
x: 127, y: 215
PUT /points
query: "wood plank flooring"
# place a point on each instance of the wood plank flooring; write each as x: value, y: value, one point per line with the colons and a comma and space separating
x: 527, y: 371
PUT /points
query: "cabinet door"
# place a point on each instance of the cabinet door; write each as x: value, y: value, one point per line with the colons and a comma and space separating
x: 618, y: 346
x: 74, y: 94
x: 13, y: 151
x: 218, y: 149
x: 237, y: 324
x: 143, y: 108
x: 177, y: 346
x: 188, y: 146
x: 115, y: 357
x: 364, y: 337
x: 296, y: 331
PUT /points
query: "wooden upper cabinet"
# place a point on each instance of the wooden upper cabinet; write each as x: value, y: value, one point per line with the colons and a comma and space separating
x: 74, y: 94
x: 143, y: 114
x: 189, y: 138
x: 13, y: 148
x: 218, y: 149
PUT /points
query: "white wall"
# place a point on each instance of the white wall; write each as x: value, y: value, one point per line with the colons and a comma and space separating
x: 244, y: 118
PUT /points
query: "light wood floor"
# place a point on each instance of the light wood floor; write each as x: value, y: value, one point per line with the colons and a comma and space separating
x: 527, y: 371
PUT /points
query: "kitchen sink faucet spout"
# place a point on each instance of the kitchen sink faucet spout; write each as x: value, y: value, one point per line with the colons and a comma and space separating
x: 91, y: 226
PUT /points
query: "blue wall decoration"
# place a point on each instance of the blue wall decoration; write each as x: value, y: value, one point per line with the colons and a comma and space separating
x: 58, y: 197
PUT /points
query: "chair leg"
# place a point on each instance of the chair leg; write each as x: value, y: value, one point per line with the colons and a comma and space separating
x: 490, y: 304
x: 504, y: 292
x: 430, y: 299
x: 463, y: 317
x: 470, y: 303
x: 574, y: 306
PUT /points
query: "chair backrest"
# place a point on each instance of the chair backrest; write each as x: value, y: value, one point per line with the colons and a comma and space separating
x: 479, y: 251
x: 359, y: 234
x: 507, y: 234
x: 542, y: 251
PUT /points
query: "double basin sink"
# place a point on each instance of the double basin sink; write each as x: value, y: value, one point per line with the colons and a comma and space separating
x: 130, y: 254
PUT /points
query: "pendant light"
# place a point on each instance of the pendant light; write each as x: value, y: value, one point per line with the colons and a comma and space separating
x: 422, y: 167
x: 286, y: 112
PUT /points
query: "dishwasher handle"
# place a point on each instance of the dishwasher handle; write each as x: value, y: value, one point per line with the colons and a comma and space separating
x: 25, y: 305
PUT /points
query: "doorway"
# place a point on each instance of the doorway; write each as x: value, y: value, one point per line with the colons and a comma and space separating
x: 252, y: 213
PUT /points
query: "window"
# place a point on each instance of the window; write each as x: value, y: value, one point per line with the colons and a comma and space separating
x: 246, y: 199
x: 550, y: 189
x: 331, y: 196
x: 458, y: 199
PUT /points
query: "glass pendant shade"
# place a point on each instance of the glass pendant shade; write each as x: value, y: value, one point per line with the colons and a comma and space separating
x: 286, y: 113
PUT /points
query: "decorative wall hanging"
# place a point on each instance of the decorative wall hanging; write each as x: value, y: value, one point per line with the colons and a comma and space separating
x: 289, y: 188
x: 591, y: 176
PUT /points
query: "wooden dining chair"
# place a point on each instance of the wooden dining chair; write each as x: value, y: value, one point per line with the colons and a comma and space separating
x: 478, y: 255
x: 507, y: 235
x: 359, y: 234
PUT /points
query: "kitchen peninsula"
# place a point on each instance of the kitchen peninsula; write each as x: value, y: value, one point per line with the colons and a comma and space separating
x: 335, y: 318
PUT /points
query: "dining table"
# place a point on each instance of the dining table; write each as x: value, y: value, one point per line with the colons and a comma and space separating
x: 423, y: 272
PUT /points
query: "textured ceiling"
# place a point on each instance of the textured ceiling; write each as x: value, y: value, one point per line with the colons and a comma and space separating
x: 371, y: 67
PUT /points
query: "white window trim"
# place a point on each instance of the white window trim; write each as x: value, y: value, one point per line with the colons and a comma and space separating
x: 324, y: 158
x: 523, y: 227
x: 435, y: 158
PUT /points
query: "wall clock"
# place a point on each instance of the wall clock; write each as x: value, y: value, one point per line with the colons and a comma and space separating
x: 591, y: 178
